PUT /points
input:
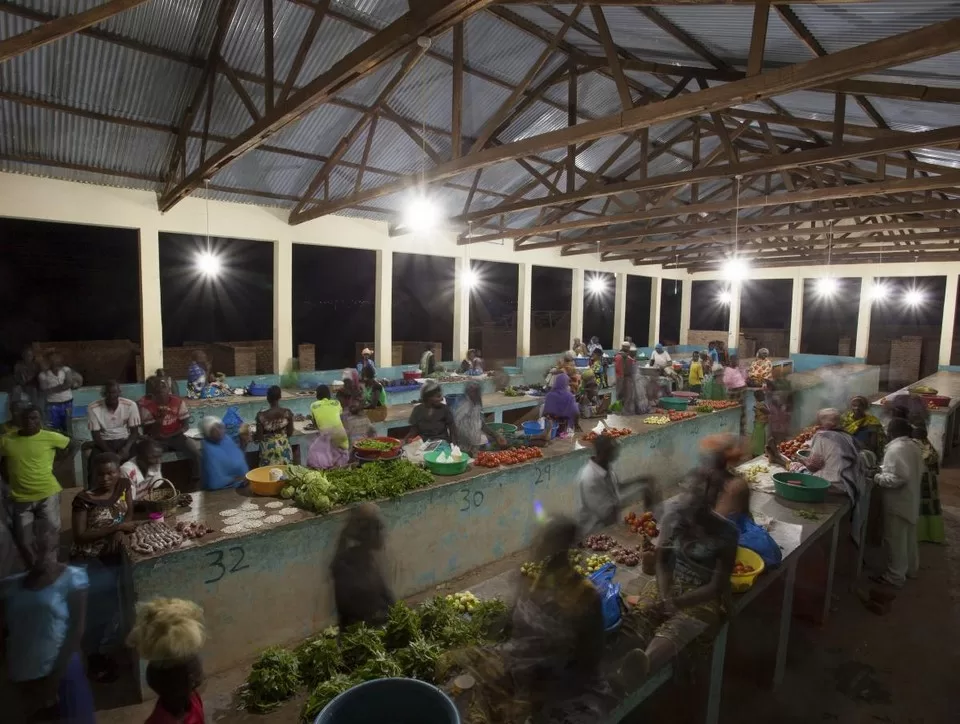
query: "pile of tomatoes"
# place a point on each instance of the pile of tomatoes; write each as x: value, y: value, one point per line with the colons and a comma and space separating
x: 607, y: 432
x: 742, y: 569
x: 644, y: 524
x: 507, y: 457
x: 790, y: 447
x: 677, y: 415
x: 717, y: 404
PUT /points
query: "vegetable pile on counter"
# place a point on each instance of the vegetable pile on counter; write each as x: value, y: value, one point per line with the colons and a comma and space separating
x: 703, y: 409
x: 193, y: 529
x: 320, y: 491
x: 373, y: 445
x: 792, y: 446
x: 752, y: 473
x: 677, y: 415
x: 583, y: 565
x: 512, y: 392
x: 644, y: 524
x: 717, y: 404
x: 619, y: 554
x: 656, y: 420
x: 507, y: 457
x: 411, y: 644
x: 607, y: 432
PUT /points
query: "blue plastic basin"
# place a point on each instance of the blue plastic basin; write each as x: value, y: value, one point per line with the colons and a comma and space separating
x: 390, y: 701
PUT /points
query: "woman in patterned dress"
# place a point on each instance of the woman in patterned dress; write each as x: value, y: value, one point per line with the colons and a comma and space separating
x: 930, y: 523
x: 274, y: 428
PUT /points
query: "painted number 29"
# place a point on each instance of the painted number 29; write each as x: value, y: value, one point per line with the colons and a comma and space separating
x: 223, y: 569
x: 470, y: 499
x: 543, y: 474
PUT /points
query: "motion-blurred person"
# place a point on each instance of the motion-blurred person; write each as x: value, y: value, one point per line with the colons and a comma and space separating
x: 866, y: 429
x: 579, y: 348
x: 223, y: 464
x: 331, y: 447
x: 589, y: 399
x: 598, y: 489
x: 371, y: 391
x: 26, y: 388
x: 57, y: 384
x: 470, y: 423
x: 733, y: 378
x: 169, y: 635
x: 360, y: 587
x: 432, y: 418
x: 274, y: 428
x: 31, y: 453
x: 350, y: 388
x: 549, y: 670
x: 594, y: 345
x: 930, y: 523
x: 899, y: 480
x: 695, y: 557
x: 428, y: 361
x: 560, y: 404
x: 198, y: 374
x: 171, y: 383
x: 663, y: 362
x: 42, y: 612
x: 356, y: 423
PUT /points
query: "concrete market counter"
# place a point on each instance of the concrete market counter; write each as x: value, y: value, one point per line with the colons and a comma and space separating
x: 272, y: 586
x: 942, y: 429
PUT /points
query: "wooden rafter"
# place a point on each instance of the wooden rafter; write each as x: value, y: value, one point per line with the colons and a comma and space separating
x: 309, y: 35
x: 927, y: 42
x: 600, y: 20
x: 435, y: 16
x: 268, y: 55
x: 456, y: 110
x: 53, y: 30
x: 758, y: 37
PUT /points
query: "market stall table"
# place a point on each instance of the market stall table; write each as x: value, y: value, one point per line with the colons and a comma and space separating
x: 942, y: 430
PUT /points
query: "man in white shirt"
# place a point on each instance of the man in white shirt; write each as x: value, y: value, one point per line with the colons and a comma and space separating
x: 662, y: 360
x: 57, y: 384
x: 899, y: 482
x: 598, y: 490
x: 114, y: 423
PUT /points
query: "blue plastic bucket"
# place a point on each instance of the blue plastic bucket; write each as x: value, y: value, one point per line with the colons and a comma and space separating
x: 398, y: 701
x: 532, y: 428
x: 581, y: 362
x: 453, y: 400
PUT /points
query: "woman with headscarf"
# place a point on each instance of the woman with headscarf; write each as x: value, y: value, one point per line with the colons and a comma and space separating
x: 930, y: 523
x: 695, y: 556
x: 432, y: 418
x: 470, y: 423
x: 866, y: 429
x: 223, y: 464
x: 761, y: 369
x: 560, y: 405
x: 197, y: 374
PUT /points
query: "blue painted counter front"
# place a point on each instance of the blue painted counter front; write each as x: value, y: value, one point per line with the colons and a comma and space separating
x: 272, y: 587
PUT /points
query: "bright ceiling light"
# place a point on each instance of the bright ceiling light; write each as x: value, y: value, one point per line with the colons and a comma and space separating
x: 209, y: 264
x: 827, y: 286
x: 596, y: 285
x: 879, y: 292
x: 725, y: 297
x: 421, y: 214
x: 469, y: 278
x: 914, y: 298
x: 736, y: 270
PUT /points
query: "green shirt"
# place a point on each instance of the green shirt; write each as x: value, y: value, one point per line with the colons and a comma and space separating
x: 326, y: 416
x: 30, y: 464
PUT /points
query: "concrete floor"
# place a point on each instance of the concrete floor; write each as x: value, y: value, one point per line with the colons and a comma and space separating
x: 859, y: 668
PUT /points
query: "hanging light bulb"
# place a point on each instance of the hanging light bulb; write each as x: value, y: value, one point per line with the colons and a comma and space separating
x: 736, y: 270
x: 469, y: 278
x: 827, y: 286
x: 914, y: 298
x: 879, y: 291
x: 725, y: 297
x: 208, y: 264
x: 596, y: 285
x: 421, y: 215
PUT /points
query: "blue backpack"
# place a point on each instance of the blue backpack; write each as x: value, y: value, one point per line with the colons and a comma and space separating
x: 755, y: 538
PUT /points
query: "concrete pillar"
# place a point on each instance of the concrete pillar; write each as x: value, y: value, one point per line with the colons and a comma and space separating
x: 576, y: 306
x: 619, y: 310
x: 461, y: 310
x: 733, y: 335
x: 686, y: 290
x: 151, y: 321
x: 863, y: 318
x: 282, y: 304
x: 796, y: 315
x: 949, y: 318
x: 383, y: 313
x: 524, y: 308
x: 656, y: 292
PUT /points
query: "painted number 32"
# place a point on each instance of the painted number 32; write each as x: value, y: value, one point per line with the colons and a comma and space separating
x: 470, y: 499
x: 221, y: 568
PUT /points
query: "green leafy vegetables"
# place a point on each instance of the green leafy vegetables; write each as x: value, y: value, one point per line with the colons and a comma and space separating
x: 320, y: 491
x: 411, y: 643
x: 375, y: 445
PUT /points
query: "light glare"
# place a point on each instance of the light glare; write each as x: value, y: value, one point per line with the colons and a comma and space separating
x: 736, y: 269
x: 879, y: 292
x: 209, y: 264
x: 469, y: 278
x: 914, y: 298
x: 596, y: 285
x: 725, y: 297
x: 827, y: 286
x: 421, y: 215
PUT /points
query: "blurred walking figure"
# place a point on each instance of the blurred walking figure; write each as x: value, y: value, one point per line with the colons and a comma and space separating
x: 598, y: 489
x: 360, y: 588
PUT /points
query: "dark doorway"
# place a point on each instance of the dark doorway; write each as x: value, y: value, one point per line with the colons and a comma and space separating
x: 637, y: 318
x: 493, y: 312
x: 598, y: 302
x: 551, y: 292
x: 423, y: 303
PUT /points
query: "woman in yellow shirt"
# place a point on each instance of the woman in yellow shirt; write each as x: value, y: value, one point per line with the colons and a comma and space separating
x: 696, y: 374
x: 331, y: 449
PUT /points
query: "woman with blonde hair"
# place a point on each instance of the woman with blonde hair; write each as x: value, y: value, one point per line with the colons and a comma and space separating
x: 169, y: 634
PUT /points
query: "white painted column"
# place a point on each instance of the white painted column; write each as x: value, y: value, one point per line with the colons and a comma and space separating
x: 733, y: 335
x: 686, y: 290
x: 863, y: 317
x: 151, y: 320
x: 576, y: 306
x: 619, y: 310
x: 461, y: 310
x: 796, y: 315
x: 282, y: 304
x: 656, y: 292
x: 383, y: 313
x: 524, y: 307
x: 949, y: 318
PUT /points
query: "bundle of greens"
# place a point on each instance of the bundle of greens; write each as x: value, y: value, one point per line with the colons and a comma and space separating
x: 403, y: 626
x: 275, y: 677
x: 419, y: 659
x: 319, y: 659
x: 325, y: 692
x: 309, y: 489
x: 378, y: 479
x: 361, y: 643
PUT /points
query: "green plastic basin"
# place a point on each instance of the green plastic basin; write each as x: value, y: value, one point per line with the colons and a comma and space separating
x: 504, y: 428
x: 436, y: 468
x: 811, y: 489
x: 674, y: 403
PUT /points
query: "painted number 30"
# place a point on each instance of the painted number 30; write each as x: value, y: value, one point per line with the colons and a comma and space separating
x: 470, y: 499
x: 223, y: 569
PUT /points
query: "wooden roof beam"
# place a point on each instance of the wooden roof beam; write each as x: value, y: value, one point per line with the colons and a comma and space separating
x: 908, y: 47
x: 53, y: 30
x: 431, y: 18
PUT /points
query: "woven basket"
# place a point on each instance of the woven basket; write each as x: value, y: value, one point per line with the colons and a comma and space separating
x: 376, y: 414
x: 163, y: 499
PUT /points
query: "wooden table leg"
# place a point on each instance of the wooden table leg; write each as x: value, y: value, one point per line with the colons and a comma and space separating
x: 716, y: 674
x: 831, y: 567
x: 786, y: 614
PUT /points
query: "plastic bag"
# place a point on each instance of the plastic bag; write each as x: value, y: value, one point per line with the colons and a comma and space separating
x: 609, y: 591
x: 755, y: 538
